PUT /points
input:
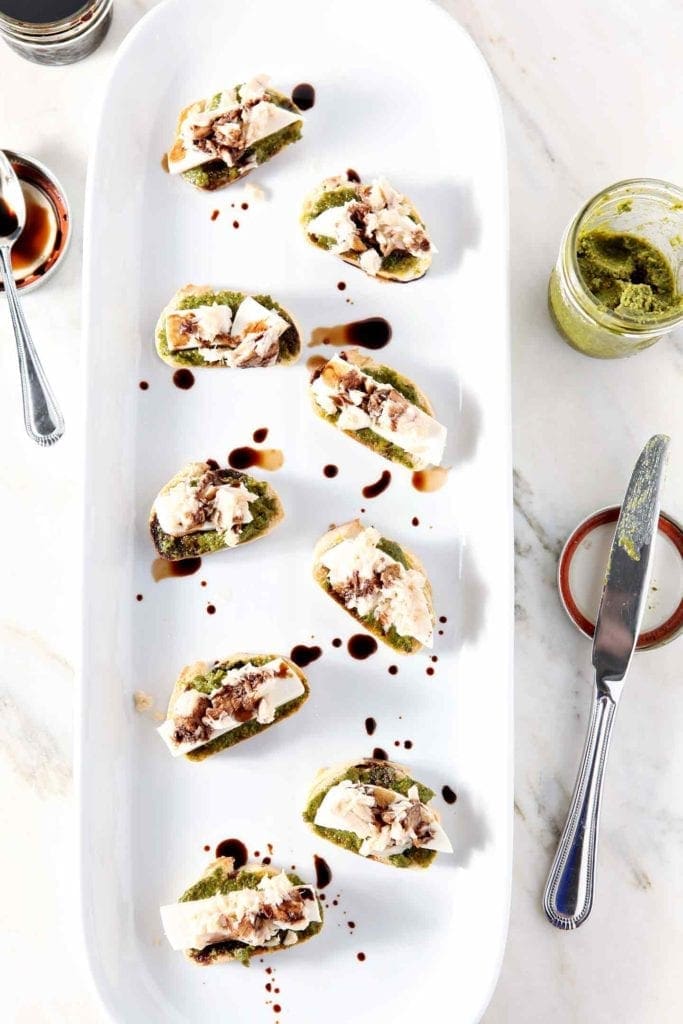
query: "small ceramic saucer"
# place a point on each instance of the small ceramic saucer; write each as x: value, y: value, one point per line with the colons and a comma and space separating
x: 581, y: 572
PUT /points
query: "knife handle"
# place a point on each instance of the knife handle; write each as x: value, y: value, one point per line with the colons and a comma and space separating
x: 568, y: 896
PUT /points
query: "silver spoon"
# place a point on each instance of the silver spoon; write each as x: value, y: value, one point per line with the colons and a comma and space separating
x: 43, y: 420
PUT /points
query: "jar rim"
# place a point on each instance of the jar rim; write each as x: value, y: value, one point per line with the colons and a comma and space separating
x: 580, y: 293
x: 55, y: 33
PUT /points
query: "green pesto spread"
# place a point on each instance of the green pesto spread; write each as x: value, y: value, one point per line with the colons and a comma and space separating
x: 374, y: 773
x: 289, y: 340
x: 212, y: 681
x: 223, y: 882
x: 627, y: 274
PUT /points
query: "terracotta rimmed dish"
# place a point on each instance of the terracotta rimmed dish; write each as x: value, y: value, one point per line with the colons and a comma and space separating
x: 671, y: 623
x: 34, y: 173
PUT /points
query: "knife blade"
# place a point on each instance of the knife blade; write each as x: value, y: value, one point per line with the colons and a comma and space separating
x: 629, y: 567
x: 568, y: 895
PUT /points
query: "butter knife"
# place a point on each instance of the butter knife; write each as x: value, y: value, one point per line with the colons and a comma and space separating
x: 568, y: 895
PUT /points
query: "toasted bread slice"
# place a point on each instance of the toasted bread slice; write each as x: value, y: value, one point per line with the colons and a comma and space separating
x: 207, y: 679
x: 366, y: 435
x: 397, y: 265
x: 222, y: 877
x: 370, y: 772
x: 348, y: 531
x: 193, y: 296
x: 216, y: 173
x: 266, y: 510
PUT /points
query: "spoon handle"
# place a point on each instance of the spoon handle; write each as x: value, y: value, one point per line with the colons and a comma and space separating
x: 568, y: 896
x: 42, y: 418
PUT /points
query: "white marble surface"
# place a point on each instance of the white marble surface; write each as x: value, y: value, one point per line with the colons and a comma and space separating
x: 590, y: 95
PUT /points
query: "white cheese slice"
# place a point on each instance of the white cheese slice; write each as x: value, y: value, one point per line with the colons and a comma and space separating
x: 196, y: 924
x: 176, y: 509
x: 417, y: 433
x: 251, y: 318
x: 265, y: 119
x: 231, y: 508
x: 345, y: 807
x: 211, y: 322
x: 371, y: 262
x: 403, y: 603
x: 258, y: 330
x: 335, y: 223
x: 275, y: 691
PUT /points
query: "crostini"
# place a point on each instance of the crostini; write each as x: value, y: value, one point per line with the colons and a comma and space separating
x: 379, y: 583
x: 237, y: 914
x: 220, y: 139
x: 205, y: 508
x: 375, y: 809
x: 379, y: 407
x: 373, y: 227
x: 202, y: 326
x: 214, y: 706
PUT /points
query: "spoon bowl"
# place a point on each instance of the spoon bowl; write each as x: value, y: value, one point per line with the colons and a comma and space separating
x: 12, y: 204
x: 42, y: 418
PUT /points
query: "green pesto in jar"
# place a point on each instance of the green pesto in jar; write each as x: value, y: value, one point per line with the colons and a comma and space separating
x: 627, y: 274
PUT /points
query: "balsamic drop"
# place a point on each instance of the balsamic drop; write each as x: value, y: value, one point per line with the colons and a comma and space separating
x: 211, y: 609
x: 260, y: 435
x: 379, y: 754
x: 337, y: 642
x: 234, y: 848
x: 370, y: 726
x: 330, y: 471
x: 162, y: 569
x: 361, y: 646
x: 449, y: 796
x: 379, y: 486
x: 215, y: 214
x: 323, y: 873
x: 303, y: 95
x: 244, y: 458
x: 352, y: 175
x: 303, y: 656
x: 374, y: 332
x: 183, y: 379
x: 143, y: 385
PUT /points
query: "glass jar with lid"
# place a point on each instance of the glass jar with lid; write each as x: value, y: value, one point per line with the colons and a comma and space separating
x: 54, y: 31
x: 617, y: 286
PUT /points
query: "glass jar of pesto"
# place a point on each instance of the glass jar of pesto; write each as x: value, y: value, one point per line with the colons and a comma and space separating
x: 617, y: 286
